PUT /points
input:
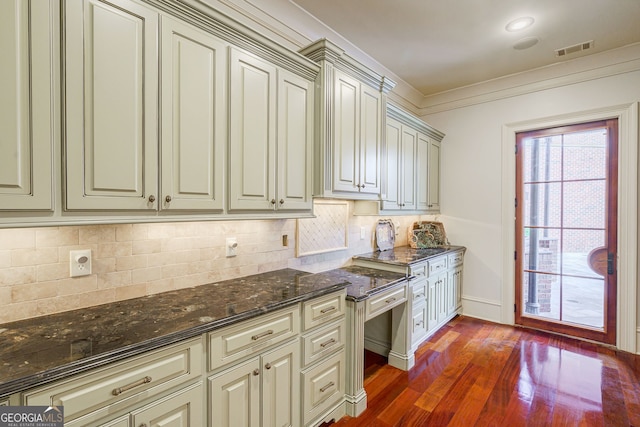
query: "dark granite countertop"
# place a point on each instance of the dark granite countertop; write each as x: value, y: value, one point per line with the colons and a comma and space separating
x: 406, y: 255
x: 48, y: 348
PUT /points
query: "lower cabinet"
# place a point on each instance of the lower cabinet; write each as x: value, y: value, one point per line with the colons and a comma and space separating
x: 119, y: 390
x: 263, y: 391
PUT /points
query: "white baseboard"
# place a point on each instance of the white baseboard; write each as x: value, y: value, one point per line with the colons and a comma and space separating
x: 379, y: 347
x: 638, y: 340
x: 481, y: 308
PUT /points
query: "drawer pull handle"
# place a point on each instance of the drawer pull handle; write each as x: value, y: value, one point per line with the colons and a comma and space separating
x: 420, y: 323
x: 268, y: 365
x: 327, y: 387
x: 262, y: 335
x: 390, y: 300
x: 419, y: 296
x: 329, y: 343
x: 328, y: 309
x: 256, y: 372
x: 118, y: 391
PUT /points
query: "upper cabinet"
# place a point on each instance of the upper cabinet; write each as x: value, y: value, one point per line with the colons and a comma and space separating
x: 194, y: 118
x: 350, y: 125
x: 27, y: 95
x: 271, y: 136
x: 412, y: 167
x: 180, y: 110
x: 111, y: 76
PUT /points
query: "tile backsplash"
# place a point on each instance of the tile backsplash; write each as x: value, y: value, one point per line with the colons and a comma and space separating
x: 134, y: 260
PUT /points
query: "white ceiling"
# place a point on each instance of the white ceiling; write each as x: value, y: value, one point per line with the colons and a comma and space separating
x: 438, y: 45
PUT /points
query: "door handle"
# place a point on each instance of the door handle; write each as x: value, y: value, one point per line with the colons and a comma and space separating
x: 610, y: 263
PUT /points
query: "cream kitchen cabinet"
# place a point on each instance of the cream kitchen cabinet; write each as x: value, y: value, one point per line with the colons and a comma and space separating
x: 412, y: 167
x: 111, y: 117
x: 433, y: 203
x: 350, y: 124
x: 271, y: 136
x: 194, y: 118
x: 263, y: 391
x: 251, y: 382
x: 402, y: 144
x: 323, y: 354
x: 28, y: 72
x: 132, y: 388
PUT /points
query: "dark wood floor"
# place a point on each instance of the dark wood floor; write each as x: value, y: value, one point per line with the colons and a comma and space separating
x: 478, y: 373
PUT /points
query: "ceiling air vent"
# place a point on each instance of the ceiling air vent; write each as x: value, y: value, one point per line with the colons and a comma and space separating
x: 575, y: 48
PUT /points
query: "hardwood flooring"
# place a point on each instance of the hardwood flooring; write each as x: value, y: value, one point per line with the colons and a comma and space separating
x: 477, y: 373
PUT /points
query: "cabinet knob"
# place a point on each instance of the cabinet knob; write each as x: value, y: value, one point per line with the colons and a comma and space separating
x: 282, y: 201
x: 268, y: 365
x: 152, y: 198
x: 273, y: 201
x: 256, y: 372
x: 167, y: 199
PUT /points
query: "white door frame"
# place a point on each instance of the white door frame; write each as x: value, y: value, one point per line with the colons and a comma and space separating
x: 628, y: 332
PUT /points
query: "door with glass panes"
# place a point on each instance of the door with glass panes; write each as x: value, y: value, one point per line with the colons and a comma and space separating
x: 566, y: 230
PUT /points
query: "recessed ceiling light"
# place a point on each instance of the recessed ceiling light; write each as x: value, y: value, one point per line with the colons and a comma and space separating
x: 519, y: 24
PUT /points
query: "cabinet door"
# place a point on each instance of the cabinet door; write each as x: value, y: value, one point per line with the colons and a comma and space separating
x: 434, y: 176
x: 393, y: 143
x: 26, y: 94
x: 370, y: 139
x: 295, y: 142
x: 234, y: 396
x: 452, y: 296
x: 408, y: 169
x: 193, y: 118
x: 419, y: 324
x: 422, y: 172
x: 346, y: 136
x: 182, y: 409
x: 441, y: 291
x: 432, y: 304
x: 111, y: 105
x: 252, y: 147
x: 281, y: 386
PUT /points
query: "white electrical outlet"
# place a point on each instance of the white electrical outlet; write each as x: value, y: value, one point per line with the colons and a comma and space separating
x: 232, y: 245
x: 363, y: 233
x: 80, y: 263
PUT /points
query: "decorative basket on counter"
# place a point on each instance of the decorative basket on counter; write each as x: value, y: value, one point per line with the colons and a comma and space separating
x: 427, y: 234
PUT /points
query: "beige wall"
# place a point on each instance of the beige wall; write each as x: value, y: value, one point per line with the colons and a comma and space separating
x: 133, y: 260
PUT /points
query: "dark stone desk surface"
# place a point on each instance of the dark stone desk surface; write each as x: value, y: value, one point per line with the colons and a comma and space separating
x: 44, y: 349
x: 405, y: 255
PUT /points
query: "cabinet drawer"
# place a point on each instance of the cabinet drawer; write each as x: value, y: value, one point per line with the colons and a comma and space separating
x: 455, y: 259
x: 322, y: 342
x: 323, y: 309
x: 323, y: 386
x: 418, y: 324
x: 437, y: 265
x: 419, y: 270
x: 418, y: 291
x: 384, y: 301
x: 236, y: 342
x: 122, y: 384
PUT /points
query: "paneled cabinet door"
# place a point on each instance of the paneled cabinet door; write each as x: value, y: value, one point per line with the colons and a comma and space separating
x: 182, y: 409
x: 401, y: 145
x: 454, y: 284
x: 111, y: 81
x: 295, y: 142
x: 252, y: 147
x: 26, y: 100
x: 434, y: 176
x: 393, y: 143
x: 422, y: 172
x: 234, y: 396
x: 408, y: 168
x: 357, y: 136
x: 281, y: 386
x: 194, y: 119
x: 271, y: 379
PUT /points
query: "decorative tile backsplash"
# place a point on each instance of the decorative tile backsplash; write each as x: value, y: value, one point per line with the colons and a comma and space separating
x: 133, y: 260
